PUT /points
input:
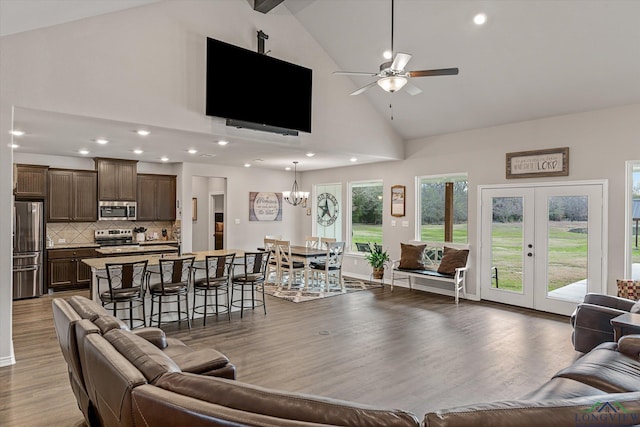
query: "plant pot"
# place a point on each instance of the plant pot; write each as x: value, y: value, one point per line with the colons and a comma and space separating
x: 378, y: 272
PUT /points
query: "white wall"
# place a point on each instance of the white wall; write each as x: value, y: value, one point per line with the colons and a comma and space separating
x: 599, y: 141
x: 146, y: 65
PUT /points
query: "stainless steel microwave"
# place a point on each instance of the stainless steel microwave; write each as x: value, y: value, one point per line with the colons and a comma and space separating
x: 117, y: 211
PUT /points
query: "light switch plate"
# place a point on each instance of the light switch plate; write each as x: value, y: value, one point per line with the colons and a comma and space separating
x: 237, y: 221
x: 405, y: 223
x: 393, y: 222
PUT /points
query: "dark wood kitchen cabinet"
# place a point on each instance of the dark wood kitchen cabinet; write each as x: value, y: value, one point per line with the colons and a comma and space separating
x: 72, y: 196
x: 30, y: 181
x: 65, y: 269
x: 117, y: 179
x: 156, y: 197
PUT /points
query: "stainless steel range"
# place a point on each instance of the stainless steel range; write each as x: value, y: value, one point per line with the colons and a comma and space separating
x: 114, y: 237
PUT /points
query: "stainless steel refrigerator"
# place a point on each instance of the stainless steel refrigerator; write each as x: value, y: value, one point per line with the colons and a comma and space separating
x: 28, y: 236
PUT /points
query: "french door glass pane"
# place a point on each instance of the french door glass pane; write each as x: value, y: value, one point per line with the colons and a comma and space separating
x: 507, y: 234
x: 567, y: 250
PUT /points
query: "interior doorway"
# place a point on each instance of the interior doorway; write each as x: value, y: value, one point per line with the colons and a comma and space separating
x: 209, y: 205
x: 542, y: 246
x: 216, y: 209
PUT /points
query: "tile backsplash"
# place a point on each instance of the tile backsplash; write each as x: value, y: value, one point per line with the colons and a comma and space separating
x: 83, y: 232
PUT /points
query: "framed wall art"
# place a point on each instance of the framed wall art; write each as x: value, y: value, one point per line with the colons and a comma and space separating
x: 264, y: 206
x: 194, y: 209
x: 538, y: 163
x: 398, y: 200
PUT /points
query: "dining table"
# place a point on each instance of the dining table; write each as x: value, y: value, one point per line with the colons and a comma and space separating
x: 306, y: 254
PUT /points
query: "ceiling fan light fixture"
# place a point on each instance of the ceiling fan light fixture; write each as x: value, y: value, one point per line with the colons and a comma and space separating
x: 392, y: 83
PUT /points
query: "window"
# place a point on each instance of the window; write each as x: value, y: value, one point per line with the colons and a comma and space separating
x: 442, y: 205
x: 366, y: 214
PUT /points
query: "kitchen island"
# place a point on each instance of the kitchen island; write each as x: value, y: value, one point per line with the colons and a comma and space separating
x: 111, y: 251
x: 98, y: 267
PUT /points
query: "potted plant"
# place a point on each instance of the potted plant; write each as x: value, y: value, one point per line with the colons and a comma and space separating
x: 377, y: 257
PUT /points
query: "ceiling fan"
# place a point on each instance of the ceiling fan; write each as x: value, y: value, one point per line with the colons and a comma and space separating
x: 392, y: 75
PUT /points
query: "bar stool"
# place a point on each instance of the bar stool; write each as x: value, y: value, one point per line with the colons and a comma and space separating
x: 126, y: 285
x: 217, y: 269
x: 175, y: 274
x: 255, y: 267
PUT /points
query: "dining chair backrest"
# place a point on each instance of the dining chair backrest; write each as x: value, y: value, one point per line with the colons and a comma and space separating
x: 219, y: 266
x: 335, y: 253
x: 363, y: 247
x: 324, y: 241
x: 273, y: 236
x: 126, y: 275
x: 283, y: 251
x: 312, y: 242
x: 176, y: 270
x: 269, y: 244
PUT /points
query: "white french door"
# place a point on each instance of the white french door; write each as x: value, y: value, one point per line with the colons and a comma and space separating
x: 542, y: 246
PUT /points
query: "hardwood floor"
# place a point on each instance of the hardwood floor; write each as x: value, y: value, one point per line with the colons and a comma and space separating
x: 407, y: 349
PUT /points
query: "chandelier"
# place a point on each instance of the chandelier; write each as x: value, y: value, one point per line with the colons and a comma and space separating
x: 295, y: 197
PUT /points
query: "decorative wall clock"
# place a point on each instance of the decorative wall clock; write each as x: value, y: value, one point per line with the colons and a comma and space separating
x: 327, y: 209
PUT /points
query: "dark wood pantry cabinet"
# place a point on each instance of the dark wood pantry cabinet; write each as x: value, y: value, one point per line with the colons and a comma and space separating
x: 72, y: 196
x: 117, y: 179
x: 156, y: 197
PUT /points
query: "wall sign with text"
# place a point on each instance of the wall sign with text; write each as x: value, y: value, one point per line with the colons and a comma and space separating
x: 538, y: 163
x: 265, y: 206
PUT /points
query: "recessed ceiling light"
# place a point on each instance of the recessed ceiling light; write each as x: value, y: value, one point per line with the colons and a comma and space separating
x: 247, y: 165
x: 83, y: 152
x: 16, y: 132
x: 353, y: 159
x: 386, y: 54
x: 102, y: 141
x: 143, y: 132
x: 310, y: 154
x: 480, y: 19
x: 138, y: 151
x: 14, y: 146
x: 223, y: 142
x: 207, y: 155
x: 288, y: 168
x: 192, y: 151
x: 164, y: 159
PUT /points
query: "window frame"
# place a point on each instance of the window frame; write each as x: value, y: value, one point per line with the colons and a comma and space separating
x: 418, y: 201
x: 349, y: 217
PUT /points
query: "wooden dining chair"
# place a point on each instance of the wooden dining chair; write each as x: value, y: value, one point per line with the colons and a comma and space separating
x: 272, y: 263
x: 324, y: 242
x: 286, y: 264
x: 331, y: 265
x: 312, y: 242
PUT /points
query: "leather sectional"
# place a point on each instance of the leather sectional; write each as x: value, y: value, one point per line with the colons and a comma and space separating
x: 131, y: 378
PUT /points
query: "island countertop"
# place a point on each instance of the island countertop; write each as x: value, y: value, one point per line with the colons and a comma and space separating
x: 135, y: 250
x: 153, y: 259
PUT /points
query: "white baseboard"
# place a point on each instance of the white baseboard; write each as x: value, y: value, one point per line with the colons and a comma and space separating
x: 8, y: 360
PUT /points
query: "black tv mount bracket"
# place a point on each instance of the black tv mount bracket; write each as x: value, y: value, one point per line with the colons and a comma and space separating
x: 261, y: 38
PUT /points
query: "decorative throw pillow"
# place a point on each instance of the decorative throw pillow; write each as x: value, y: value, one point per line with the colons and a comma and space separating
x: 452, y: 259
x: 629, y: 289
x: 411, y: 256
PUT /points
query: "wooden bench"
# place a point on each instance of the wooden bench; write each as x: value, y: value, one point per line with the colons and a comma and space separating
x: 431, y: 259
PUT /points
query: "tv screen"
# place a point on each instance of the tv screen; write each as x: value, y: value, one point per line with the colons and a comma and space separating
x: 253, y: 87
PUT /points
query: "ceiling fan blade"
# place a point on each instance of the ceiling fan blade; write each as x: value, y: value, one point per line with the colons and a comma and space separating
x: 362, y: 89
x: 400, y: 61
x: 439, y: 72
x: 412, y: 90
x: 355, y: 73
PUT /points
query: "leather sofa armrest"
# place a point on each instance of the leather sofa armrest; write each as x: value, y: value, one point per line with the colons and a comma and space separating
x: 591, y: 314
x: 155, y: 336
x: 629, y: 345
x: 609, y: 301
x: 529, y: 413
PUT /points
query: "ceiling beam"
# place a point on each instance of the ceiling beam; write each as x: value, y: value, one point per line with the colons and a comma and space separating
x: 265, y: 6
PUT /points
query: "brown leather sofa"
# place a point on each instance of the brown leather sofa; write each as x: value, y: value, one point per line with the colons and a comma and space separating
x: 130, y: 381
x: 591, y: 320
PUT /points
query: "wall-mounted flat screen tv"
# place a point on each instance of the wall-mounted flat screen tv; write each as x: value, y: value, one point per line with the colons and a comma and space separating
x: 253, y: 87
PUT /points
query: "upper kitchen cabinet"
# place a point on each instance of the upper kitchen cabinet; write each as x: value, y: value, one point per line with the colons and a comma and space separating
x: 72, y: 196
x: 156, y: 197
x: 30, y: 181
x: 117, y: 180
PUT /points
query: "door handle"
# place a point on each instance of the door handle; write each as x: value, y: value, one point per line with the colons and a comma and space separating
x: 20, y: 270
x: 529, y: 254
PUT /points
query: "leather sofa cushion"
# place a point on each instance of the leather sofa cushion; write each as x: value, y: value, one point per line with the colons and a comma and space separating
x: 146, y: 357
x: 606, y: 369
x: 200, y: 361
x: 562, y: 388
x: 86, y: 308
x: 108, y: 322
x: 282, y: 404
x: 155, y: 336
